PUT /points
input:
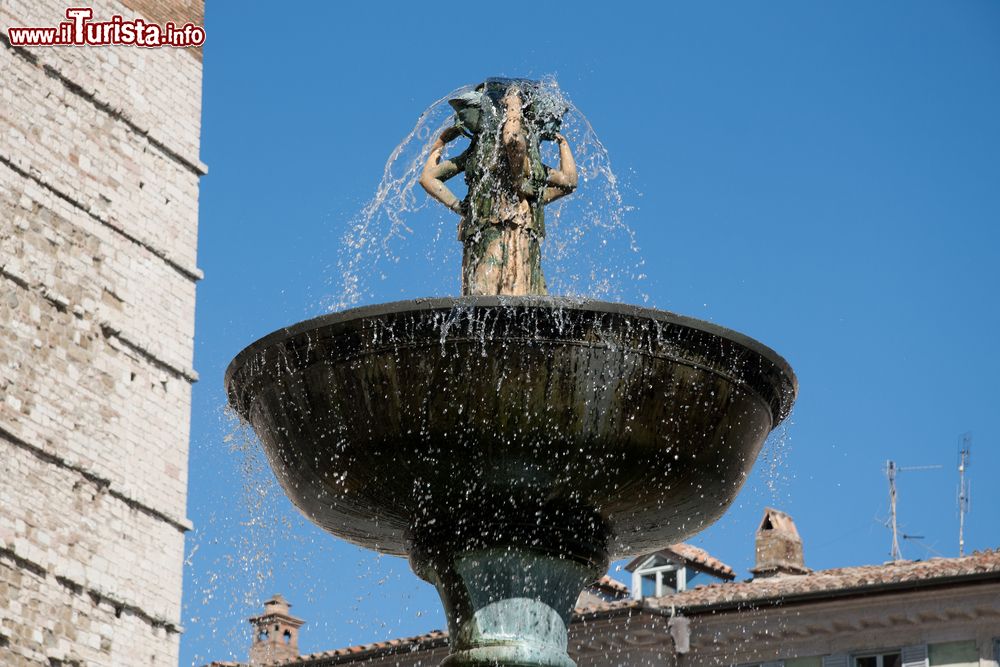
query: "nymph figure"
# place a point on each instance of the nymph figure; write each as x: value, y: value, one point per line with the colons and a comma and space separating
x: 503, y: 219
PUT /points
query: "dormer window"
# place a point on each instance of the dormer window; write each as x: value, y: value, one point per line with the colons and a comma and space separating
x: 659, y: 577
x: 670, y: 571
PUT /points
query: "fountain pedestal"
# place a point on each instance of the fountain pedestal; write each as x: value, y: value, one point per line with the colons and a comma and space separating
x: 507, y: 606
x: 509, y: 574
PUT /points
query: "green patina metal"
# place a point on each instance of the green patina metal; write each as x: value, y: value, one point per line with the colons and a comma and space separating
x: 492, y: 193
x: 507, y: 606
x: 487, y: 174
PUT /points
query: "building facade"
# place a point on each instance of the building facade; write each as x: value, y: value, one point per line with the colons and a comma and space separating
x: 99, y: 176
x: 936, y: 613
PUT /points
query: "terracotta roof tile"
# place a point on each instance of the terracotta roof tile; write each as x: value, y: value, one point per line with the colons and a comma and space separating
x: 603, y: 607
x: 701, y: 557
x: 834, y: 581
x: 693, y: 555
x: 609, y: 585
x: 776, y: 588
x: 428, y: 640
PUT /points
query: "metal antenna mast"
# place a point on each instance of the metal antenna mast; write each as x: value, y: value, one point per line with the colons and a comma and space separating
x: 891, y: 469
x: 963, y: 489
x: 890, y: 473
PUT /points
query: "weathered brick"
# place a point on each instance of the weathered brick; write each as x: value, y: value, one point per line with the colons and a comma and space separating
x: 158, y: 90
x: 99, y: 178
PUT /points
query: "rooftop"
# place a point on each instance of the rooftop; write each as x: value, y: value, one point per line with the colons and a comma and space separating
x: 863, y: 579
x: 823, y: 584
x: 611, y: 586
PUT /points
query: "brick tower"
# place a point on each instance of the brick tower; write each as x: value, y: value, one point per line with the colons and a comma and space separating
x: 99, y: 176
x: 275, y: 634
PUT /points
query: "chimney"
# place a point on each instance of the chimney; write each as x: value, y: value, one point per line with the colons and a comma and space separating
x: 276, y: 634
x: 778, y: 546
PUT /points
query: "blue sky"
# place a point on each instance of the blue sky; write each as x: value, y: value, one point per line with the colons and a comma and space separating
x: 821, y: 176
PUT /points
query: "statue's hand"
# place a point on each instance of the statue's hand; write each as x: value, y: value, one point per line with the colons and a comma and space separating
x: 443, y: 140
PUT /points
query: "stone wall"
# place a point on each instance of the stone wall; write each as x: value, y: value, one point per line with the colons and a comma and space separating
x: 958, y: 624
x: 99, y: 176
x: 967, y: 614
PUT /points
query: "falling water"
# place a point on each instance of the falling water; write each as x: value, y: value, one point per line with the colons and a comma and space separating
x: 773, y: 461
x: 237, y: 558
x: 403, y: 243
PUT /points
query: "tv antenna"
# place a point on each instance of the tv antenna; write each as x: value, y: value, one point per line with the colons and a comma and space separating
x: 891, y: 470
x: 963, y: 488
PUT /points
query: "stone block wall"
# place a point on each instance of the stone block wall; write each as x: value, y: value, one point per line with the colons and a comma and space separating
x: 99, y: 176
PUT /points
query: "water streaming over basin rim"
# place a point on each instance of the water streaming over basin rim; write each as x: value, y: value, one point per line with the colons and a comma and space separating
x: 426, y: 419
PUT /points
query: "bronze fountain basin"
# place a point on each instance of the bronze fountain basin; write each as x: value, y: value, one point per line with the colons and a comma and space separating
x: 480, y: 434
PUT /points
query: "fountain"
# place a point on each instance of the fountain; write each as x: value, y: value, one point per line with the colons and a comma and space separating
x: 510, y: 444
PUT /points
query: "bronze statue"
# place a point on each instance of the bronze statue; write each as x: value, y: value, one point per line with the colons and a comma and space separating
x: 503, y: 219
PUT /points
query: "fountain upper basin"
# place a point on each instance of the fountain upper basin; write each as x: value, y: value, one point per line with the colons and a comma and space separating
x: 571, y: 426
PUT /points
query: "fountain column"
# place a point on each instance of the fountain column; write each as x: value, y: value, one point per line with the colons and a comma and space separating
x: 509, y: 573
x: 507, y: 606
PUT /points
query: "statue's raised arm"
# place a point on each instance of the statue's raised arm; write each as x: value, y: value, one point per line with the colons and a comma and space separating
x: 437, y: 171
x: 562, y: 181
